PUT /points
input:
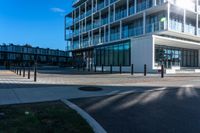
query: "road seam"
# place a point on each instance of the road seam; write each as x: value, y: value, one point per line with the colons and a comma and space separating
x: 97, y: 128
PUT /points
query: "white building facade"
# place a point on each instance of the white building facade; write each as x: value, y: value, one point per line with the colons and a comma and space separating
x: 125, y: 32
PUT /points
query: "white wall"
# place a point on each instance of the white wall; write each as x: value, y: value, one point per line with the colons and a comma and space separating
x: 142, y: 52
x: 199, y: 57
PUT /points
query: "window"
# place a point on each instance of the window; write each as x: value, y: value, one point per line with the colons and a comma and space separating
x: 117, y: 54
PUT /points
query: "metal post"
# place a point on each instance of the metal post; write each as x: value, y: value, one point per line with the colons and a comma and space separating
x: 88, y: 68
x: 20, y: 71
x: 95, y: 68
x: 162, y: 71
x: 111, y: 70
x: 29, y: 73
x: 120, y: 69
x: 92, y: 67
x: 145, y: 70
x: 24, y: 72
x: 132, y: 69
x: 17, y: 71
x: 35, y: 72
x: 102, y: 68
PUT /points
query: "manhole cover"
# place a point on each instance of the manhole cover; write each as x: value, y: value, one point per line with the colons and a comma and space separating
x: 90, y: 88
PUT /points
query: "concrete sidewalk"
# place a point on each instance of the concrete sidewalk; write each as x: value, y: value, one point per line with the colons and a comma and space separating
x: 16, y: 89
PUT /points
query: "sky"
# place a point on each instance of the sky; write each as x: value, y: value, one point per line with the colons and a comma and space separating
x: 35, y: 22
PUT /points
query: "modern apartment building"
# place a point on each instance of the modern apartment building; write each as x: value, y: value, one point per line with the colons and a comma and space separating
x: 125, y: 32
x: 26, y: 55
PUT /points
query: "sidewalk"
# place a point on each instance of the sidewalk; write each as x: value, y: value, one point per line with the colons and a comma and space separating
x: 16, y: 89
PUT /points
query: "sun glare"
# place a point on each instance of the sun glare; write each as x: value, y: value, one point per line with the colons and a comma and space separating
x: 187, y: 4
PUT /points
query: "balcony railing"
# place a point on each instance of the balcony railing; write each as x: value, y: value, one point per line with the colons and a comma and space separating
x: 176, y: 26
x: 135, y: 31
x: 157, y: 26
x: 120, y: 14
x: 69, y: 35
x: 190, y: 29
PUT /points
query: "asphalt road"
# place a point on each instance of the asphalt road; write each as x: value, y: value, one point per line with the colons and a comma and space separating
x: 169, y: 111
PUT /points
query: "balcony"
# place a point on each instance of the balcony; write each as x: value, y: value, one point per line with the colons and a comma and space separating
x: 89, y: 12
x: 114, y: 36
x: 176, y: 25
x: 85, y: 43
x: 96, y: 24
x: 131, y: 10
x: 190, y: 29
x: 121, y: 14
x: 157, y: 26
x: 69, y: 35
x: 100, y: 6
x: 135, y: 31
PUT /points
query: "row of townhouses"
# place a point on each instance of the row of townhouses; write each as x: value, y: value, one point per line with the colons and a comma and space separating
x: 27, y: 55
x: 125, y: 32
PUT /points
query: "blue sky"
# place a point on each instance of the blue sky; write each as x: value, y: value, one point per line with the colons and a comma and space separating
x: 36, y: 22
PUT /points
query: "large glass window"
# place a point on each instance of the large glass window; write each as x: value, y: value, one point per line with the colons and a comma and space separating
x: 172, y: 56
x: 117, y: 54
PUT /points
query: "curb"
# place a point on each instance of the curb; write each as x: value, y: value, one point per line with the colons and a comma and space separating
x: 97, y: 128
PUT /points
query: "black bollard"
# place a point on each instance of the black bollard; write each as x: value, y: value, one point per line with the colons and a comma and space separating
x: 29, y: 73
x: 162, y: 71
x: 111, y: 69
x: 102, y: 68
x: 120, y: 69
x: 20, y: 71
x: 24, y: 72
x: 92, y: 67
x: 132, y: 69
x: 95, y: 68
x: 145, y: 70
x: 88, y: 68
x: 35, y: 73
x: 17, y: 71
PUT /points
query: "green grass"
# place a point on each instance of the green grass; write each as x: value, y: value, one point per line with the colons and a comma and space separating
x: 48, y: 117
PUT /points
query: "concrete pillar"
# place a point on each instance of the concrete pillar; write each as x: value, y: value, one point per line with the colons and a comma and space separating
x: 109, y: 15
x: 120, y: 30
x: 114, y: 11
x: 154, y: 3
x: 144, y: 22
x: 168, y: 16
x: 135, y: 4
x: 79, y: 35
x: 127, y: 7
x: 184, y: 20
x: 72, y: 42
x: 109, y: 33
x: 85, y: 14
x: 96, y: 5
x: 199, y: 57
x: 92, y: 5
x: 99, y: 35
x: 197, y: 24
x: 104, y: 33
x: 92, y: 37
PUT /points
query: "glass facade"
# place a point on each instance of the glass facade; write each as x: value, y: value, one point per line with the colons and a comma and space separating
x: 172, y: 56
x: 116, y: 55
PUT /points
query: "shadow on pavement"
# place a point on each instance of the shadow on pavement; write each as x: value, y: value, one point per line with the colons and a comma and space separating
x: 174, y: 110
